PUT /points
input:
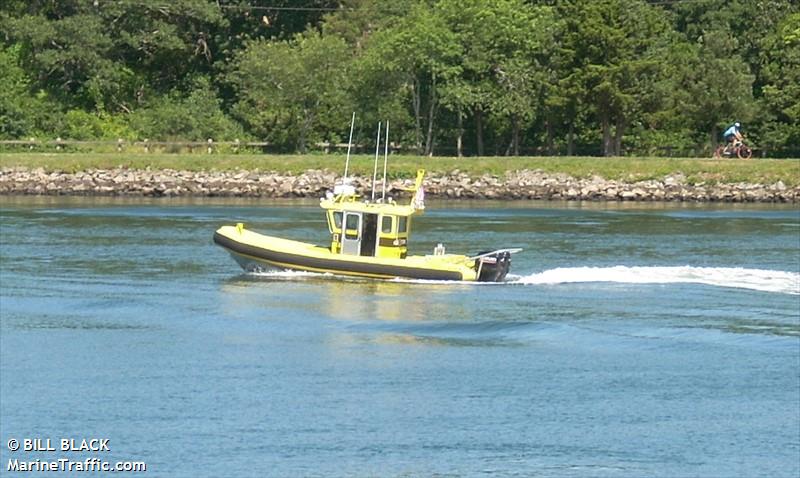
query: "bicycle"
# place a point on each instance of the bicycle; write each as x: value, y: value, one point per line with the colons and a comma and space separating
x: 739, y: 150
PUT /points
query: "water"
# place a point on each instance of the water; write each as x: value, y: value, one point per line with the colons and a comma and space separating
x: 635, y: 340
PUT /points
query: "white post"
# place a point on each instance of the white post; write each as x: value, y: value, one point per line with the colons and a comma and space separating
x: 375, y: 168
x: 349, y: 143
x: 210, y: 145
x: 385, y: 160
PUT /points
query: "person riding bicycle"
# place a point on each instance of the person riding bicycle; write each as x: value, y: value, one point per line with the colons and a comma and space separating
x: 732, y: 134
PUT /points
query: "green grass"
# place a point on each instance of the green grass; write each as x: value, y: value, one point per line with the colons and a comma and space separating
x: 628, y: 169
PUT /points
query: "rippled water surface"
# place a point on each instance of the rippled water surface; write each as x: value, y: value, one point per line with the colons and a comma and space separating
x: 630, y: 340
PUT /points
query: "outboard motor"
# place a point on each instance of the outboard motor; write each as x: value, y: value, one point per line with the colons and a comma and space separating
x: 493, y: 267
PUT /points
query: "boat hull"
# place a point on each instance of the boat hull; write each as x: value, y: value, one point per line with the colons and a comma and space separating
x: 254, y: 252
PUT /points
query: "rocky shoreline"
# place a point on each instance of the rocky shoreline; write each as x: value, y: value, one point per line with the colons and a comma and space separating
x: 314, y: 183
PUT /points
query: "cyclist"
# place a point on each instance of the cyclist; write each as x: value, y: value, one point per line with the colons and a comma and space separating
x: 732, y: 134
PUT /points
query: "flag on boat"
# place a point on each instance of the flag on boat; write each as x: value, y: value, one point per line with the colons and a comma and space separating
x: 419, y: 199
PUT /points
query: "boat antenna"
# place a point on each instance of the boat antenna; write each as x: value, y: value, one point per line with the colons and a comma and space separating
x: 385, y: 160
x: 375, y: 168
x: 349, y: 143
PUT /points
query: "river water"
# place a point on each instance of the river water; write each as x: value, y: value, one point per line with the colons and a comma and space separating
x: 631, y: 340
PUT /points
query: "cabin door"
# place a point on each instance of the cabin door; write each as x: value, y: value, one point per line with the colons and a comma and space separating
x: 351, y: 237
x: 369, y: 234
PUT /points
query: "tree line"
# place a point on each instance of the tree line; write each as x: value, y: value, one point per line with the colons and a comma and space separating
x: 451, y: 77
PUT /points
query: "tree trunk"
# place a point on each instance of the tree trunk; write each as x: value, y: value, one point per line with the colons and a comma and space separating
x: 479, y: 130
x: 550, y: 146
x: 605, y: 124
x: 301, y: 140
x: 417, y: 113
x: 515, y: 133
x: 431, y: 116
x: 571, y: 139
x: 460, y: 138
x: 713, y: 137
x: 619, y: 131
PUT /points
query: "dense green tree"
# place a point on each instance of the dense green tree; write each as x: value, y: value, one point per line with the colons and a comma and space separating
x: 107, y: 55
x: 566, y: 100
x: 736, y: 60
x: 720, y: 84
x: 248, y: 20
x: 414, y: 57
x: 486, y: 33
x: 485, y: 76
x: 357, y: 20
x: 195, y: 116
x: 621, y: 46
x: 781, y: 91
x: 83, y: 125
x: 504, y: 47
x: 281, y: 19
x: 23, y: 113
x: 15, y: 122
x: 292, y: 92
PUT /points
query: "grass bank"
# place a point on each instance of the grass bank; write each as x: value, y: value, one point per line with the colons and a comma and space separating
x: 627, y: 169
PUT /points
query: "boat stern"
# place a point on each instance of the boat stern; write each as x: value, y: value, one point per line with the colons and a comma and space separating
x: 493, y: 266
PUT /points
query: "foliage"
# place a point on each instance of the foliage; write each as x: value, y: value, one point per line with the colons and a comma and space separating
x: 780, y: 106
x: 289, y: 91
x: 80, y: 125
x: 23, y: 113
x: 14, y: 122
x: 471, y: 77
x: 196, y: 117
x: 110, y: 55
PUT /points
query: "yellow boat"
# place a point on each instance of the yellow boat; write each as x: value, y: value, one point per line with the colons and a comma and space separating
x: 368, y: 239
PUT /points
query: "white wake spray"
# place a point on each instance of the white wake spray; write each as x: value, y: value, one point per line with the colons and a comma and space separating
x: 287, y: 274
x: 755, y: 279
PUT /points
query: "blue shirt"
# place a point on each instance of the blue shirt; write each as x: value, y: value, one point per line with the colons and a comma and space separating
x: 732, y: 131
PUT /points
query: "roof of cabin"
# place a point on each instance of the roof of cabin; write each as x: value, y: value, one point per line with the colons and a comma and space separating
x: 371, y: 208
x: 345, y: 199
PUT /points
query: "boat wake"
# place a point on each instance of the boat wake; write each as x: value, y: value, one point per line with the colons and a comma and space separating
x: 288, y: 275
x: 735, y: 277
x: 754, y: 279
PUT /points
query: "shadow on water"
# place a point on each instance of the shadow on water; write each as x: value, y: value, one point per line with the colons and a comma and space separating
x: 386, y: 311
x: 753, y: 327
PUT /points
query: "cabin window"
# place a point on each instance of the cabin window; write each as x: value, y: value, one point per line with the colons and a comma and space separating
x: 386, y: 224
x: 337, y: 219
x: 352, y: 221
x: 351, y: 226
x: 402, y: 224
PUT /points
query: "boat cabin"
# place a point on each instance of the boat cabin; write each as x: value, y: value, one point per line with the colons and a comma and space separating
x: 371, y: 229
